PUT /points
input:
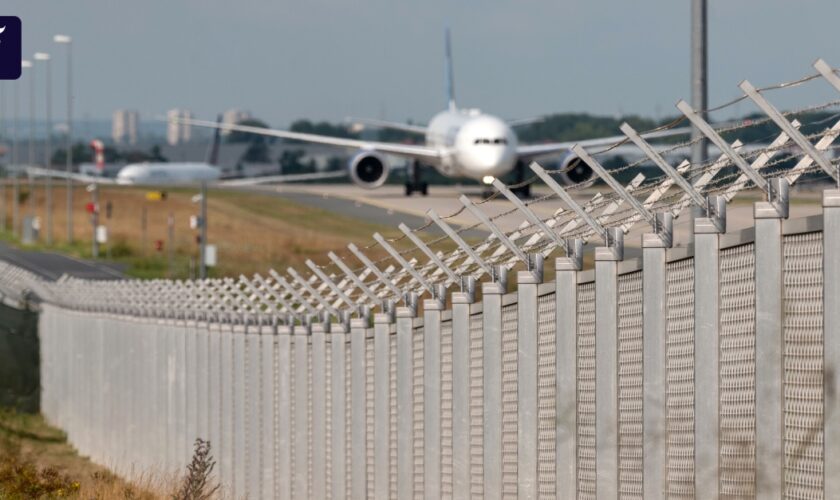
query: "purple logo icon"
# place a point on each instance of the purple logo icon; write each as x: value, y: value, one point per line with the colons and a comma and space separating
x: 10, y: 48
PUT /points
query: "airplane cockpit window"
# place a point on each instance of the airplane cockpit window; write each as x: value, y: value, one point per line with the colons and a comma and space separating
x: 490, y: 141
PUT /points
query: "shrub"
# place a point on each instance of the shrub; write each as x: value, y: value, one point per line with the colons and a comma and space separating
x: 197, y: 485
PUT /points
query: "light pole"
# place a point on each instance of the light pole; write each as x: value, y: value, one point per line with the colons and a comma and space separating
x: 202, y: 231
x: 16, y: 157
x: 30, y: 199
x: 4, y: 132
x: 42, y: 56
x: 93, y: 189
x: 66, y: 40
x: 699, y: 86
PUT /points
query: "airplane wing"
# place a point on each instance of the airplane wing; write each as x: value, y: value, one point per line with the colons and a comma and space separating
x: 61, y: 174
x: 521, y: 122
x: 413, y: 129
x: 532, y: 152
x: 422, y: 153
x: 268, y: 179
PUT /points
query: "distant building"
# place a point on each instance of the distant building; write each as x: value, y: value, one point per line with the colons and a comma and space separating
x: 234, y: 116
x: 124, y: 126
x: 178, y: 133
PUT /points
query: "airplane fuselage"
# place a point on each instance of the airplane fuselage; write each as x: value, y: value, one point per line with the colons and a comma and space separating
x: 168, y: 173
x: 475, y: 145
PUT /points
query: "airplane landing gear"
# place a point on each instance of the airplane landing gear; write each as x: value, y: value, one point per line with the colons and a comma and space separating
x: 521, y: 191
x: 414, y: 183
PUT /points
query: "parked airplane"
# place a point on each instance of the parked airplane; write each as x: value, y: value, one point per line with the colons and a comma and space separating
x: 458, y: 143
x: 173, y: 173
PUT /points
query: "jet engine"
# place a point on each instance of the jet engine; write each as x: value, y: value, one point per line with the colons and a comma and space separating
x: 368, y: 169
x: 574, y: 170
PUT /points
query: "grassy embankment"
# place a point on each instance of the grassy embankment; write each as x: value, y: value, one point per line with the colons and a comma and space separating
x: 37, y: 462
x: 253, y: 232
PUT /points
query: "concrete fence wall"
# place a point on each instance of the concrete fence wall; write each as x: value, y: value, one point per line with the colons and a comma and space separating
x: 703, y: 372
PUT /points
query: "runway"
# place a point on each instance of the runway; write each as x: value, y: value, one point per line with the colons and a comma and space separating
x: 52, y: 266
x: 389, y: 206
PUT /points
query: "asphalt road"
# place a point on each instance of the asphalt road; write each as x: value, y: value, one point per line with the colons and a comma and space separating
x: 52, y: 266
x: 359, y: 209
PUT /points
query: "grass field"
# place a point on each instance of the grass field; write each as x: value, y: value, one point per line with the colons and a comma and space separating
x: 252, y: 232
x: 37, y: 462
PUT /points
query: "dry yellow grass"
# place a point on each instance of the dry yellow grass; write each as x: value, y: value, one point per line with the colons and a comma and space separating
x: 31, y: 446
x: 253, y: 232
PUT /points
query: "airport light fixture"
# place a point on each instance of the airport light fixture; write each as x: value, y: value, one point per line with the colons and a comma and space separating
x: 30, y: 157
x: 68, y: 138
x: 202, y: 228
x: 93, y: 189
x: 45, y: 57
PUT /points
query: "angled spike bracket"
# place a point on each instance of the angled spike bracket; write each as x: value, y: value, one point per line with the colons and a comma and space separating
x: 613, y: 237
x: 777, y: 191
x: 616, y: 186
x: 454, y: 236
x: 405, y: 264
x: 312, y: 292
x: 335, y: 288
x: 375, y: 270
x: 794, y: 134
x: 355, y: 279
x: 429, y: 253
x: 502, y: 237
x: 531, y: 216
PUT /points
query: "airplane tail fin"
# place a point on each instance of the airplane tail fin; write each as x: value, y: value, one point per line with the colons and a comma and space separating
x: 213, y: 152
x: 450, y: 76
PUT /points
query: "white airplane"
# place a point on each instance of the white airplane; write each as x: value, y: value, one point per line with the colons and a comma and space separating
x: 172, y: 173
x: 458, y: 143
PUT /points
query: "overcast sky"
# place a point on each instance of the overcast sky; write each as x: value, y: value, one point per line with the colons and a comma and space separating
x: 327, y: 59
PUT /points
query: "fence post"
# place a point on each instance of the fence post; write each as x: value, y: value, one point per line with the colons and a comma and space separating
x: 301, y: 426
x: 214, y: 391
x: 202, y: 381
x: 319, y: 410
x: 338, y: 396
x: 239, y: 402
x: 226, y: 422
x: 461, y: 302
x: 707, y: 233
x: 492, y: 293
x: 527, y: 377
x: 253, y: 388
x: 654, y: 431
x: 769, y: 343
x: 432, y: 309
x: 182, y: 367
x: 405, y: 399
x: 606, y: 365
x: 268, y: 417
x: 160, y: 418
x: 191, y: 392
x: 831, y: 342
x: 566, y: 341
x: 358, y: 408
x: 382, y: 403
x: 283, y: 370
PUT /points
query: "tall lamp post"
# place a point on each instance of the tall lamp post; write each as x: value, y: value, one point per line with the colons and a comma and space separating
x: 699, y: 84
x: 66, y: 40
x: 4, y: 132
x: 43, y: 56
x: 30, y: 161
x: 16, y: 185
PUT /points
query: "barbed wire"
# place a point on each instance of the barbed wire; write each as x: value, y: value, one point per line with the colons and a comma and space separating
x: 607, y: 208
